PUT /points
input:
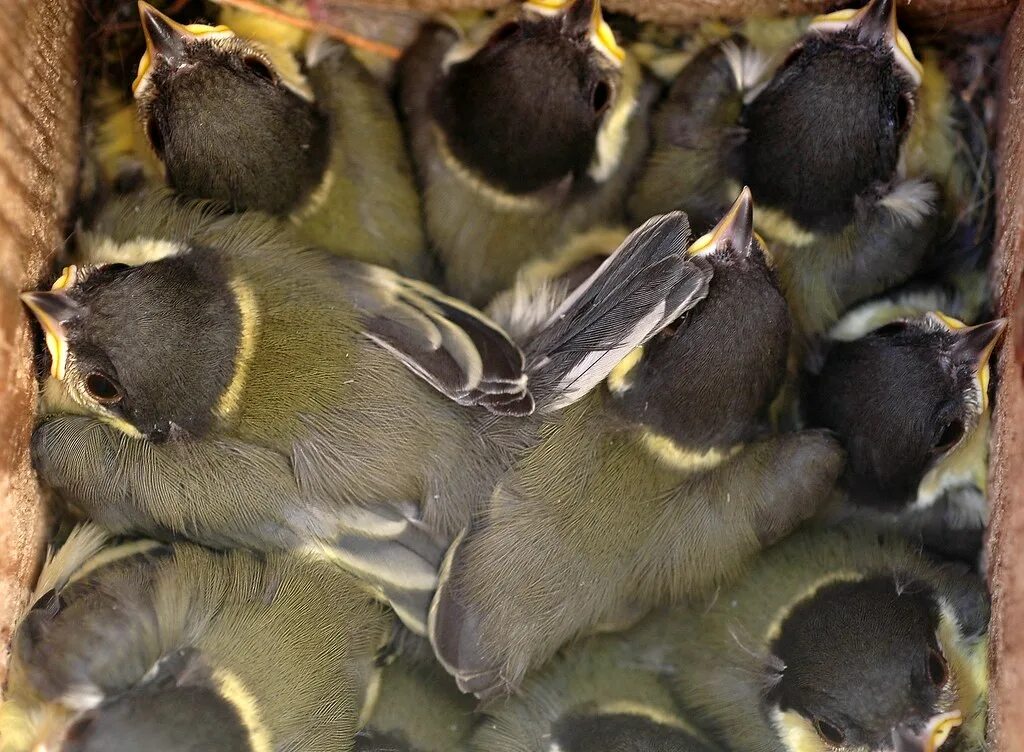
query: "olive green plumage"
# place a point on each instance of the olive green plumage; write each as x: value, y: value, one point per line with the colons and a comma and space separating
x: 239, y: 389
x: 482, y: 229
x: 601, y: 695
x: 662, y: 484
x: 237, y: 121
x: 740, y: 663
x: 371, y: 209
x: 418, y: 709
x: 175, y: 647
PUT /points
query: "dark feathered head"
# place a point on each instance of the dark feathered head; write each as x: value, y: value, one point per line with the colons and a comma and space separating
x: 228, y: 122
x: 901, y: 399
x: 524, y: 109
x: 829, y: 126
x: 874, y: 663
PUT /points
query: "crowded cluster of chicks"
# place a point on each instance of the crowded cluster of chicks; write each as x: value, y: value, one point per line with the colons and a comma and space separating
x: 554, y: 392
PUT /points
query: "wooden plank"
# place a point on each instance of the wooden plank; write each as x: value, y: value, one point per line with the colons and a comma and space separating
x: 39, y: 54
x: 924, y: 15
x: 1006, y: 553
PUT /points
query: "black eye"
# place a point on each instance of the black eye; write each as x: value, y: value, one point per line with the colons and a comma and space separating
x: 505, y: 31
x: 258, y: 67
x: 949, y: 436
x: 829, y: 732
x: 102, y: 388
x: 903, y: 110
x: 156, y: 138
x: 600, y: 97
x: 937, y: 669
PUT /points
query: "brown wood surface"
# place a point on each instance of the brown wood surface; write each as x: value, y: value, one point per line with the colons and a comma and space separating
x: 39, y: 54
x: 39, y: 50
x: 954, y: 15
x: 1006, y: 552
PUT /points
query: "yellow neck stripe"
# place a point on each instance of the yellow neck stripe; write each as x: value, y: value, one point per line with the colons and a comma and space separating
x: 685, y: 458
x: 248, y: 313
x: 498, y: 197
x: 247, y: 706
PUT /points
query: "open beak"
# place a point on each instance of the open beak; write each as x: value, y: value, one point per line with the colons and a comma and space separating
x: 54, y: 309
x: 931, y: 737
x: 876, y: 21
x: 736, y: 228
x: 167, y: 40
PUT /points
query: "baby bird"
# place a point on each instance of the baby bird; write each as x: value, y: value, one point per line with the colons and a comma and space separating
x: 524, y: 132
x: 845, y: 144
x: 171, y: 647
x: 230, y: 121
x: 834, y: 641
x: 654, y: 488
x: 600, y: 696
x: 909, y: 402
x: 418, y: 709
x: 241, y: 390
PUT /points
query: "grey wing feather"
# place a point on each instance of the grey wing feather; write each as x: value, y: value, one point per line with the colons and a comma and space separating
x: 451, y: 346
x: 230, y: 494
x: 645, y: 285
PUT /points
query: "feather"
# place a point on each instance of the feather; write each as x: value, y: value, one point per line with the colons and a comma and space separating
x: 645, y: 285
x: 451, y: 346
x: 393, y: 553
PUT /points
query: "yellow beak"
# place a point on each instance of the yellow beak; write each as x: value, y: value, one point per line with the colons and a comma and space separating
x: 53, y: 309
x: 977, y: 343
x: 876, y: 20
x: 929, y: 739
x: 601, y: 34
x: 167, y: 39
x: 602, y: 37
x: 735, y: 228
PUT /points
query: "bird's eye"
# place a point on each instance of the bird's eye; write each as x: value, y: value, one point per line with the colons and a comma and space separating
x: 600, y: 96
x: 505, y: 31
x: 156, y: 138
x: 829, y: 732
x: 951, y: 433
x: 938, y: 671
x: 903, y: 110
x: 258, y: 67
x: 103, y: 388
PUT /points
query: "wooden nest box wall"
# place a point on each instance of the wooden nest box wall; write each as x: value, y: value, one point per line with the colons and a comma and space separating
x: 41, y: 55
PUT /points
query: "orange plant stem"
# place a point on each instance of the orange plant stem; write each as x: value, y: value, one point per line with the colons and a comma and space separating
x: 307, y: 24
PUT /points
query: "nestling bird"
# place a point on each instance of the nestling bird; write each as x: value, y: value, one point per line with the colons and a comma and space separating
x: 834, y: 641
x: 241, y: 390
x: 418, y: 709
x: 525, y: 131
x: 651, y: 489
x: 172, y: 647
x: 600, y: 696
x: 323, y: 148
x: 908, y: 399
x: 848, y: 144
